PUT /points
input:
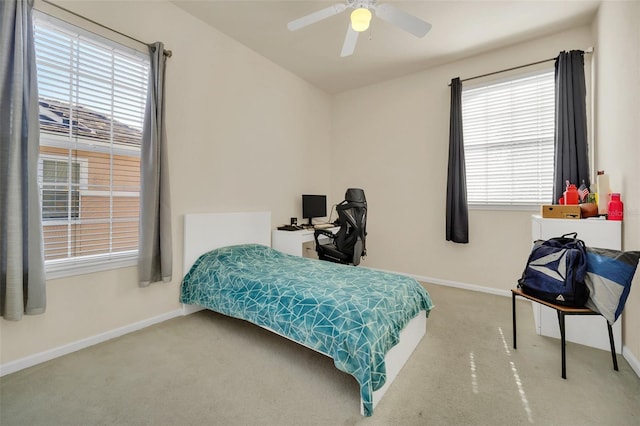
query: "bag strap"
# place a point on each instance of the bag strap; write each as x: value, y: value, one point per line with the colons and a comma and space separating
x: 573, y: 235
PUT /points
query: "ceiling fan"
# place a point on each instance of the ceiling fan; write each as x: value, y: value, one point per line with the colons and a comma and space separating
x: 360, y: 18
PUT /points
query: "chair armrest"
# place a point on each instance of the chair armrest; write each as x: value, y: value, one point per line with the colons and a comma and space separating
x: 323, y: 232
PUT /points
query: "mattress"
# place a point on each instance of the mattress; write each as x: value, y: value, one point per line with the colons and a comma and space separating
x: 352, y: 314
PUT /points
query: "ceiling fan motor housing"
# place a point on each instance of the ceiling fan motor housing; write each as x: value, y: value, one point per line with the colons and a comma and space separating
x: 361, y: 4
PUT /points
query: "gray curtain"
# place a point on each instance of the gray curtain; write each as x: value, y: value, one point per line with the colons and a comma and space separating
x: 457, y: 212
x: 571, y: 152
x: 155, y: 251
x: 22, y: 283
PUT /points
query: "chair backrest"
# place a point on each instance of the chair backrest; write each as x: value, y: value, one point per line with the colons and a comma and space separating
x: 352, y: 214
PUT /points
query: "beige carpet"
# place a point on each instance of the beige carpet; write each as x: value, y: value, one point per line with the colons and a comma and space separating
x: 214, y: 370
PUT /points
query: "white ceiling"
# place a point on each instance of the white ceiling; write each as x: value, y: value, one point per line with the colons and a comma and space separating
x: 460, y: 28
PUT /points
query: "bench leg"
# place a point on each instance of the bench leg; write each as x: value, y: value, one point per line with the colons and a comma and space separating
x: 513, y: 313
x: 562, y: 344
x: 613, y: 347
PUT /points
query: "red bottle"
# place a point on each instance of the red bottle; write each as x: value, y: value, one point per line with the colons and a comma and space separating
x: 571, y: 195
x: 616, y: 207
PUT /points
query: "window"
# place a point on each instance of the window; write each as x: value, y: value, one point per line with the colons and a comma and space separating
x: 508, y: 130
x: 60, y: 195
x: 92, y: 97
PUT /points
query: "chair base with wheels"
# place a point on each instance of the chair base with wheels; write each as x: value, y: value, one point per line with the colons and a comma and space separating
x: 562, y: 311
x: 347, y: 246
x: 329, y: 251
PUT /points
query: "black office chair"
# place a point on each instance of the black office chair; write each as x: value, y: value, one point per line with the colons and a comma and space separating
x: 348, y: 245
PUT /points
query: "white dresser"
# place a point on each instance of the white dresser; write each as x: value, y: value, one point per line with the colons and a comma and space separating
x: 585, y: 330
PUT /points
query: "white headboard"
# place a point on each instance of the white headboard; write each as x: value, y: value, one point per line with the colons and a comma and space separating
x: 207, y: 231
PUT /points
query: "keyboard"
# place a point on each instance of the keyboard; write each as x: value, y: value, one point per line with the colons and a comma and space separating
x: 289, y: 228
x: 323, y: 225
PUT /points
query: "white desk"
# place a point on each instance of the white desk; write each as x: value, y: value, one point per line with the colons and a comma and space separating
x: 585, y: 330
x: 298, y: 243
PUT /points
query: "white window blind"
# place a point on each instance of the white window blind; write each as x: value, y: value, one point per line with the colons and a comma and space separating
x: 92, y: 96
x: 508, y: 132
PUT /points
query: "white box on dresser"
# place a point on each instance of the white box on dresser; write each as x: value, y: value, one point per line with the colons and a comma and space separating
x: 585, y: 330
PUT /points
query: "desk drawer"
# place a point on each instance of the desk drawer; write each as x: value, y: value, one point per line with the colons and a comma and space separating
x: 309, y: 250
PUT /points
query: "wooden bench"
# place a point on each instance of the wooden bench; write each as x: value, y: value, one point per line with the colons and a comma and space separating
x: 562, y: 311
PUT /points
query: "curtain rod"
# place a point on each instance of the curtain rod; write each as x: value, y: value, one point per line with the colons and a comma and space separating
x: 586, y: 51
x: 167, y: 53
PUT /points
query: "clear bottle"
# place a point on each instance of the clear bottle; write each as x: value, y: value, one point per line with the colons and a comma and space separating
x: 603, y: 192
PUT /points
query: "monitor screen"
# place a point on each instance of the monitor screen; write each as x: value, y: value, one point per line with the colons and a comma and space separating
x: 314, y: 206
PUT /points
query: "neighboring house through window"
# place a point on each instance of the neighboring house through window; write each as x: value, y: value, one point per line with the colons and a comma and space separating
x: 508, y: 129
x: 92, y: 97
x: 60, y: 188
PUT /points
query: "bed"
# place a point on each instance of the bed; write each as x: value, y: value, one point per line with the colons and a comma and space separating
x: 369, y: 322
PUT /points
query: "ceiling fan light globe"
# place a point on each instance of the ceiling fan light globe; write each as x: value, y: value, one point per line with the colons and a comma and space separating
x: 360, y: 19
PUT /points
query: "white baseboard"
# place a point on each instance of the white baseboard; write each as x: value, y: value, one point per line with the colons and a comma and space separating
x: 465, y: 286
x: 31, y: 360
x: 632, y: 360
x: 191, y: 309
x: 472, y: 287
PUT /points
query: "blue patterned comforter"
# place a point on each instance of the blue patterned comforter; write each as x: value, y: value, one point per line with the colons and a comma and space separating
x: 354, y: 315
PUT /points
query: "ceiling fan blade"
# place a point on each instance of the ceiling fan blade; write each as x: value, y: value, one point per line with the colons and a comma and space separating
x: 402, y: 19
x: 350, y: 41
x: 314, y: 17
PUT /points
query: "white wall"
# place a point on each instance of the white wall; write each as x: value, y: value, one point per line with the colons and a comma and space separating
x: 242, y: 135
x: 617, y: 71
x: 242, y: 132
x: 392, y: 140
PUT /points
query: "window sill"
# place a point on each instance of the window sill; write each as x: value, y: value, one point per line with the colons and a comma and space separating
x: 55, y: 269
x: 506, y: 207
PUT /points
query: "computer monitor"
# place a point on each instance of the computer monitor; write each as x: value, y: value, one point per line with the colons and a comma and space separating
x: 314, y: 206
